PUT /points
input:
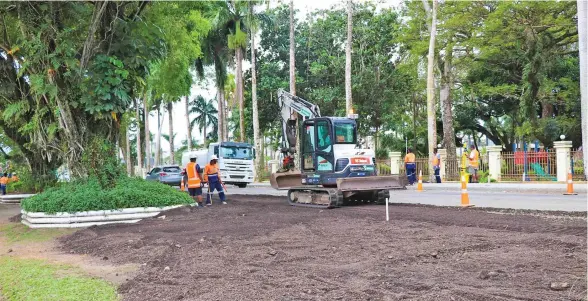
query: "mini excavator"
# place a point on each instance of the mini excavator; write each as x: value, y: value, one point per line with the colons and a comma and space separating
x: 334, y: 170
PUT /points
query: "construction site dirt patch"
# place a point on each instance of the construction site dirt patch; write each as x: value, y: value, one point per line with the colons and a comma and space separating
x: 260, y: 248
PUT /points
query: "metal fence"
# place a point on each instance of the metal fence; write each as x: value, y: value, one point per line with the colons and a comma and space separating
x: 535, y: 166
x: 383, y: 167
x: 578, y: 165
x: 422, y: 164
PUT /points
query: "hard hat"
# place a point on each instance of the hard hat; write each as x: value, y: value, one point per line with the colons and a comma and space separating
x: 193, y: 155
x: 214, y: 157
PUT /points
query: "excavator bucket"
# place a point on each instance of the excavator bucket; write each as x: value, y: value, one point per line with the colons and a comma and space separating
x: 286, y: 180
x: 372, y: 183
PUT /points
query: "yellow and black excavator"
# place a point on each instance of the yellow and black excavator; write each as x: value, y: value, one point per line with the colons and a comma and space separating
x: 335, y: 169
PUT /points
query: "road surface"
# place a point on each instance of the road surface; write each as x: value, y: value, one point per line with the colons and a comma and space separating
x: 491, y: 199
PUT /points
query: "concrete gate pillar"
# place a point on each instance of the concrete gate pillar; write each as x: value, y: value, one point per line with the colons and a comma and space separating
x: 273, y: 165
x: 494, y: 162
x: 395, y: 162
x: 443, y: 155
x: 563, y: 153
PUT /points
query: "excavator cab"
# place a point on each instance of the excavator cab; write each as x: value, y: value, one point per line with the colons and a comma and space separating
x: 329, y: 152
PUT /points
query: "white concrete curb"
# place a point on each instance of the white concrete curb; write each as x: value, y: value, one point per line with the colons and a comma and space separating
x: 14, y: 198
x: 89, y: 218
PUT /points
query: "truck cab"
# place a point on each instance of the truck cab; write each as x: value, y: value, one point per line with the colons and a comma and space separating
x: 235, y: 160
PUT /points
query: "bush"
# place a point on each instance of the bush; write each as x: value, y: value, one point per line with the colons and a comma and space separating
x: 29, y: 183
x: 89, y: 195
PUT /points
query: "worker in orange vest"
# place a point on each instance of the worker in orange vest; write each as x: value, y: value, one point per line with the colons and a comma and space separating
x: 14, y: 177
x: 474, y: 159
x: 437, y: 165
x: 195, y: 181
x: 410, y: 166
x: 3, y: 183
x: 212, y: 176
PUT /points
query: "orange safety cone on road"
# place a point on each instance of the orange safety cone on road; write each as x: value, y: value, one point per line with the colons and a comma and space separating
x: 465, y: 198
x: 420, y: 184
x: 570, y: 185
x: 182, y: 186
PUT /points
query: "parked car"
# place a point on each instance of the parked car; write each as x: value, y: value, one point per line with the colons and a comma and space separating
x: 166, y: 174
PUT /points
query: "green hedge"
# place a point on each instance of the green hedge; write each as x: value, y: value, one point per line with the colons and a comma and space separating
x: 88, y: 195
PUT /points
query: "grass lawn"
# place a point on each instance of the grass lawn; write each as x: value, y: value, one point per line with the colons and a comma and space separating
x: 32, y: 279
x: 17, y: 232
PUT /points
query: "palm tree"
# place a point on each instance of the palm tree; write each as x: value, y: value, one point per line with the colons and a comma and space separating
x: 252, y: 23
x: 348, y: 103
x: 138, y: 125
x: 206, y: 115
x: 583, y: 42
x: 170, y: 108
x: 189, y: 141
x: 294, y: 115
x: 292, y: 50
x: 237, y: 40
x: 432, y: 132
x: 215, y: 53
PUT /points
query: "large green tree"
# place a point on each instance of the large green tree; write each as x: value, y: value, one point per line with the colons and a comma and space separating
x: 71, y: 69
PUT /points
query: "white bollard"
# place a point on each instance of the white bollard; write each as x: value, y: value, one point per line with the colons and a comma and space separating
x: 387, y: 214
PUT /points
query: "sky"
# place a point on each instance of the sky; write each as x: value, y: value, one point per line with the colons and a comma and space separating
x: 207, y: 89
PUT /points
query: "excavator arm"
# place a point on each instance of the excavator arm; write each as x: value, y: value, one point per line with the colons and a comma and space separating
x: 290, y: 105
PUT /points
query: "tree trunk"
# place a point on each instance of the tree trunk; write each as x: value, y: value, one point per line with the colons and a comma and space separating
x: 128, y: 152
x: 256, y: 140
x: 170, y: 108
x: 432, y: 135
x: 239, y: 78
x: 138, y: 120
x: 292, y: 49
x: 583, y: 48
x: 158, y: 138
x: 189, y: 125
x: 147, y: 135
x: 446, y: 110
x: 220, y: 109
x: 348, y: 103
x: 294, y: 115
x: 414, y: 118
x: 226, y: 112
x: 204, y: 131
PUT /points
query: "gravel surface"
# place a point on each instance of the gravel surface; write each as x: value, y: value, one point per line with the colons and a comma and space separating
x: 260, y: 248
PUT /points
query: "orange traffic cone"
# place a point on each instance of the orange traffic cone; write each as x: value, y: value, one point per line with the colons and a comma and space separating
x: 465, y: 198
x: 420, y: 184
x: 182, y: 186
x: 570, y: 185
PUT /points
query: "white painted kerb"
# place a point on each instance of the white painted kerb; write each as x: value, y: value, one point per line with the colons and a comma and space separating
x: 90, y: 218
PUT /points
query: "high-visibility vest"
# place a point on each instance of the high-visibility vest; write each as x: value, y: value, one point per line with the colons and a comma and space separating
x: 193, y: 178
x: 475, y: 161
x: 4, y: 180
x: 212, y: 172
x: 409, y: 158
x: 436, y: 160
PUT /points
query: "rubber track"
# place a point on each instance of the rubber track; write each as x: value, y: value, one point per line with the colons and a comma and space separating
x: 335, y: 197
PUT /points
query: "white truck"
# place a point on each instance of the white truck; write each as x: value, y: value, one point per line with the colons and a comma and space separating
x: 235, y: 161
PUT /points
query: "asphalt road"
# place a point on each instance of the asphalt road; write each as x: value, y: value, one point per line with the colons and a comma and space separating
x: 491, y: 199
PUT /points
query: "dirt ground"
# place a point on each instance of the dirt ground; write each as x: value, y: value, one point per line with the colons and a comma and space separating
x: 260, y: 248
